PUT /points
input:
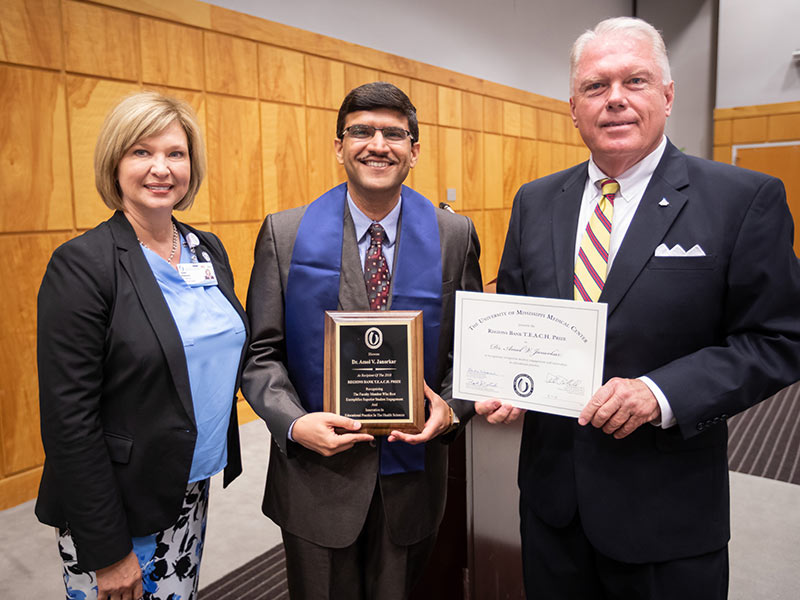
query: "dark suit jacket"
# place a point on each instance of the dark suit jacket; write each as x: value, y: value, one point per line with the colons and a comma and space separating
x: 717, y: 334
x: 116, y: 407
x: 325, y: 500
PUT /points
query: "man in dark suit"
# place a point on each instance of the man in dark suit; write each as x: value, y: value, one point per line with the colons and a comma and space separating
x: 703, y: 294
x: 358, y: 513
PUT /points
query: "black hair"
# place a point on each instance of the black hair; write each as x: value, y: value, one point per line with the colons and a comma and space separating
x: 374, y: 96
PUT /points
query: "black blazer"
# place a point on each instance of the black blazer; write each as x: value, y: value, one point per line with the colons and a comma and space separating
x: 117, y: 418
x: 716, y: 333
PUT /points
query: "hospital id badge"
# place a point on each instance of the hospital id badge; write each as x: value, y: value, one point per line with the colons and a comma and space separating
x: 198, y: 274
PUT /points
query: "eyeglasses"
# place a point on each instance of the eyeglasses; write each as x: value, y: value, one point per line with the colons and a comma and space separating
x: 392, y: 135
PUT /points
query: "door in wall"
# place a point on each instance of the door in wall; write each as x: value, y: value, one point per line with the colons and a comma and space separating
x: 781, y: 160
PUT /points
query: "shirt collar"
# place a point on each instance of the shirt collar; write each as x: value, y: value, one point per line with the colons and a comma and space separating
x: 632, y: 182
x: 361, y: 222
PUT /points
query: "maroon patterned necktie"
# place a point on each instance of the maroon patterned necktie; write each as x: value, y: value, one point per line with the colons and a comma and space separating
x: 376, y: 271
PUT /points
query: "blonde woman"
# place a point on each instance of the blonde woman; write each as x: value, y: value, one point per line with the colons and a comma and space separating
x: 140, y: 345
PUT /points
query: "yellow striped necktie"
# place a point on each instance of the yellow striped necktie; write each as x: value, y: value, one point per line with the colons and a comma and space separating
x: 591, y: 267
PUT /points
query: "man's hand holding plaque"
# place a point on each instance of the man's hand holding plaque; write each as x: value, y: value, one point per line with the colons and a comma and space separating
x: 327, y: 433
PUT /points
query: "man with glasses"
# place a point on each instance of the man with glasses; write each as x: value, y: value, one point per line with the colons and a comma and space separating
x: 358, y: 513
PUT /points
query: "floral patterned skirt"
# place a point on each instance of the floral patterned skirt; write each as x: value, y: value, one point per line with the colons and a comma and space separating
x: 169, y: 559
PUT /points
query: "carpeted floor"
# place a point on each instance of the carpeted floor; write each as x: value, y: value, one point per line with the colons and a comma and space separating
x: 765, y: 439
x: 263, y: 578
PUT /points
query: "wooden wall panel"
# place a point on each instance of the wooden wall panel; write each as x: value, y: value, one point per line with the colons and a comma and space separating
x: 24, y: 260
x: 494, y: 235
x: 88, y: 102
x: 575, y: 135
x: 512, y: 119
x: 449, y: 107
x: 471, y: 199
x: 492, y: 115
x: 512, y: 178
x: 544, y: 124
x: 234, y: 158
x: 750, y: 130
x: 559, y: 157
x: 450, y: 163
x: 281, y: 74
x: 562, y: 125
x: 753, y: 125
x: 782, y: 162
x: 239, y: 240
x: 404, y: 83
x: 30, y: 33
x: 425, y: 96
x: 101, y: 41
x: 426, y: 173
x: 324, y: 171
x: 526, y: 158
x: 231, y: 65
x: 528, y: 122
x: 783, y: 128
x: 283, y: 143
x: 723, y: 154
x: 34, y: 156
x: 722, y: 132
x: 493, y: 171
x: 355, y: 76
x: 324, y: 82
x: 171, y: 54
x: 19, y: 487
x: 545, y: 159
x: 471, y: 111
x: 266, y: 96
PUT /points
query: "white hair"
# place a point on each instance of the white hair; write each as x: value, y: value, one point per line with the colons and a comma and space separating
x: 625, y: 25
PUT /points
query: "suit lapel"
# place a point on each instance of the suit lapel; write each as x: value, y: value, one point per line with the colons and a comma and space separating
x: 566, y: 208
x: 352, y: 289
x: 651, y: 222
x: 155, y: 307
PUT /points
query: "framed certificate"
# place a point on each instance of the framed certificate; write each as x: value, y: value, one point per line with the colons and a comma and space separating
x: 374, y: 370
x: 538, y: 354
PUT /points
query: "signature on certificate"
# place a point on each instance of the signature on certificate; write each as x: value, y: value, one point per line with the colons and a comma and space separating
x: 481, y: 379
x: 571, y: 386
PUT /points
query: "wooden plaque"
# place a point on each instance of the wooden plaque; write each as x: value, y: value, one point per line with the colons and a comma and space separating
x: 374, y: 369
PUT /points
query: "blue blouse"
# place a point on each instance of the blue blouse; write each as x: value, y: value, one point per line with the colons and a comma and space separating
x: 213, y: 336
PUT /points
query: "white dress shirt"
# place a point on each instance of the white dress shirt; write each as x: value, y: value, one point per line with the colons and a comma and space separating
x: 362, y: 223
x: 632, y: 184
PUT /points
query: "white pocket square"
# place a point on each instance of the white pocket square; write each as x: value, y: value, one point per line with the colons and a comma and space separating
x: 678, y: 251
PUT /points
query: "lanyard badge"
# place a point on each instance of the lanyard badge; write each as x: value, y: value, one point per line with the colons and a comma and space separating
x: 195, y: 273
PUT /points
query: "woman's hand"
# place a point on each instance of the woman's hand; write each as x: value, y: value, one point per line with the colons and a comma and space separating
x: 120, y: 581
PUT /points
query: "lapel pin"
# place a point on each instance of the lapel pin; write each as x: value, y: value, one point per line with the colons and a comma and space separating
x: 206, y: 257
x: 663, y: 202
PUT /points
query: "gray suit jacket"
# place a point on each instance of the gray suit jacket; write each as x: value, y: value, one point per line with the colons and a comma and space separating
x: 325, y: 499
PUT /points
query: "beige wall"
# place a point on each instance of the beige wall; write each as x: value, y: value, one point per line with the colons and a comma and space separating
x: 266, y: 95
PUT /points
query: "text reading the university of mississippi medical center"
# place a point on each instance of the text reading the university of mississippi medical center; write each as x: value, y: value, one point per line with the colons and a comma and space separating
x: 519, y: 312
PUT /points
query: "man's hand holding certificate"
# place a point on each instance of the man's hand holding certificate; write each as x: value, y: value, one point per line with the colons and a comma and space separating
x: 532, y: 353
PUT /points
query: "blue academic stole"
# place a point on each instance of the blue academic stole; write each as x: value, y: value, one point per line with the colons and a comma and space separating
x: 313, y: 288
